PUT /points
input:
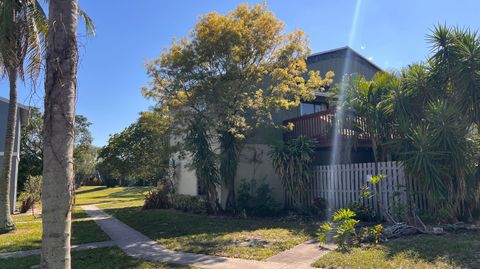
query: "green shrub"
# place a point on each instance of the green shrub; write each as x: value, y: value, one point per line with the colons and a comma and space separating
x: 320, y: 205
x: 345, y: 232
x: 362, y: 212
x: 256, y: 201
x: 372, y: 234
x: 188, y: 203
x: 159, y: 198
x: 31, y: 194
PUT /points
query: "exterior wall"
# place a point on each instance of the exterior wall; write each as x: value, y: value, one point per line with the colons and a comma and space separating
x: 16, y: 150
x: 261, y: 171
x: 187, y: 181
x: 335, y: 61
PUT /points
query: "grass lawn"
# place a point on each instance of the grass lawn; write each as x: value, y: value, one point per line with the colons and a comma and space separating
x: 99, y: 194
x: 222, y: 236
x: 92, y: 259
x: 29, y: 232
x: 424, y: 251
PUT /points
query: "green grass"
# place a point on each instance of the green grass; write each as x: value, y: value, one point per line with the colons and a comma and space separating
x: 29, y: 232
x: 424, y: 251
x: 98, y: 194
x: 92, y: 259
x: 255, y: 239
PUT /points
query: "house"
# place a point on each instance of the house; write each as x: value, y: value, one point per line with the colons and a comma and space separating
x: 312, y: 119
x: 22, y: 118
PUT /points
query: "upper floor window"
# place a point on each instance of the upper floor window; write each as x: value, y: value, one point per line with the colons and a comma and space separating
x: 309, y: 108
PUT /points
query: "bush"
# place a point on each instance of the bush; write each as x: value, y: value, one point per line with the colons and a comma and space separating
x: 343, y: 226
x: 373, y: 234
x: 256, y: 201
x: 344, y: 229
x: 362, y: 212
x: 158, y: 198
x: 93, y: 181
x: 32, y: 193
x: 188, y: 203
x: 163, y: 197
x: 320, y: 206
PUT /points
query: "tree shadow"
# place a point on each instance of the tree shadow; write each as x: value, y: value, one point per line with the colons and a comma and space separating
x: 99, y: 188
x: 167, y: 224
x: 460, y: 249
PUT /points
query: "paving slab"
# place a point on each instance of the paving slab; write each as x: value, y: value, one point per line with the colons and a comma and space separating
x: 137, y: 245
x: 87, y: 246
x: 303, y: 255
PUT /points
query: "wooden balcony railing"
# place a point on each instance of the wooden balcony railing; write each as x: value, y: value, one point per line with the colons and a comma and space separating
x: 320, y: 126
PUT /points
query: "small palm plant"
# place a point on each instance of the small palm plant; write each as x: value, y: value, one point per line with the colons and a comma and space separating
x: 292, y: 161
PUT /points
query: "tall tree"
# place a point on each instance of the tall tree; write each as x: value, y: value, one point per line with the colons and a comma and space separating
x: 22, y: 29
x: 59, y: 135
x: 235, y: 70
x: 369, y: 99
x: 31, y: 148
x: 140, y: 151
x: 85, y: 153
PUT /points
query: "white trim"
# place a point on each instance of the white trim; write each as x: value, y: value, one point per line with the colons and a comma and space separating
x: 13, y: 153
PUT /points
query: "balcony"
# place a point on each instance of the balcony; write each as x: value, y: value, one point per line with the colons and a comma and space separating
x: 319, y: 126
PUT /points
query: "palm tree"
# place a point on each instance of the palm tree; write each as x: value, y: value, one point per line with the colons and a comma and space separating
x: 368, y: 99
x: 22, y: 29
x: 199, y: 143
x: 59, y: 137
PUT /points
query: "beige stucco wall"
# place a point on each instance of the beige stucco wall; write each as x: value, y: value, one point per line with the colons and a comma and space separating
x: 260, y: 170
x: 186, y: 179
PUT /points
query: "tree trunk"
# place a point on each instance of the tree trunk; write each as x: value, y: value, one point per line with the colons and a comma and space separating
x: 59, y: 137
x: 6, y: 222
x: 230, y: 148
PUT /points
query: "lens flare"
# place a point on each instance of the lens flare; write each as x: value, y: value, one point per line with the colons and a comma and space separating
x: 335, y: 157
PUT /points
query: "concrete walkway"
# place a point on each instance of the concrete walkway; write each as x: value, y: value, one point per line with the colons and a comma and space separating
x: 24, y: 253
x: 303, y: 255
x: 137, y: 245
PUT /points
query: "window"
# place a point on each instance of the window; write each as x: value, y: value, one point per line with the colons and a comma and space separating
x: 321, y: 107
x: 309, y: 108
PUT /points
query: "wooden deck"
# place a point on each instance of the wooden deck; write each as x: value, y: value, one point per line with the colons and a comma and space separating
x: 320, y: 126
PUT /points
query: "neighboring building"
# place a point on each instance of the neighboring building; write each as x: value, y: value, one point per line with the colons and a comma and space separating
x: 312, y: 119
x: 22, y: 118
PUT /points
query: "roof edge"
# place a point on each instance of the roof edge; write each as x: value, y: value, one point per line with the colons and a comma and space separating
x: 350, y: 49
x: 22, y: 106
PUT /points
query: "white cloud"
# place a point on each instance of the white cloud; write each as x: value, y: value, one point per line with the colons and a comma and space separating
x: 363, y: 47
x: 370, y: 58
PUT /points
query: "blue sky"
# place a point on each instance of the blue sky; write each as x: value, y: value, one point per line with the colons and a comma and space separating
x: 129, y: 33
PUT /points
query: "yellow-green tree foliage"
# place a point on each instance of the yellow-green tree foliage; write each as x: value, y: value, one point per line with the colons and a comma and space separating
x: 235, y: 70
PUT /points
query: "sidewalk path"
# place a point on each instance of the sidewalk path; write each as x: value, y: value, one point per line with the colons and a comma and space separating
x: 135, y: 244
x: 303, y: 255
x: 24, y: 253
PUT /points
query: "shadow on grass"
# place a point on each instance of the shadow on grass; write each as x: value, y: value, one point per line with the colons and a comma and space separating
x: 170, y: 223
x: 461, y: 249
x: 130, y: 192
x: 90, y: 190
x: 103, y: 194
x: 213, y: 234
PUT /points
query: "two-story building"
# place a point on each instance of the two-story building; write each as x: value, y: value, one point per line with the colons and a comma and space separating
x: 22, y: 119
x: 314, y: 119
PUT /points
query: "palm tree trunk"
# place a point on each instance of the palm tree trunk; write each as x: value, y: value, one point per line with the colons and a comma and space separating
x: 58, y: 128
x: 6, y: 222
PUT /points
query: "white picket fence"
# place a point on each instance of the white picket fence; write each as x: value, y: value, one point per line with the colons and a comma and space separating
x: 341, y: 185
